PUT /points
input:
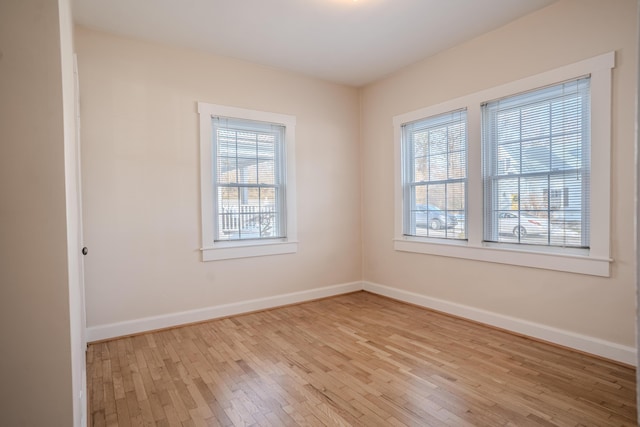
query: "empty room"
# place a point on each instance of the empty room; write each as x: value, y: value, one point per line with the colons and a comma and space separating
x: 319, y: 212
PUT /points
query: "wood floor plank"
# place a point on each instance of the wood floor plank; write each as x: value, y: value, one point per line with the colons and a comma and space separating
x: 352, y: 360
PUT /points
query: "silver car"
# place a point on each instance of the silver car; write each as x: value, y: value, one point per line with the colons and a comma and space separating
x: 434, y: 217
x: 521, y: 224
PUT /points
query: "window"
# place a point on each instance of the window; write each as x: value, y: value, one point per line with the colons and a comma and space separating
x: 536, y: 183
x: 247, y: 185
x: 435, y: 165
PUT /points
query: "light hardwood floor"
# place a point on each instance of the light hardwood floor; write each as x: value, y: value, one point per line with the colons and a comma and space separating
x: 356, y: 359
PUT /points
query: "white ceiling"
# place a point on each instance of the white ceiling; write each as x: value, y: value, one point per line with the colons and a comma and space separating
x: 353, y: 42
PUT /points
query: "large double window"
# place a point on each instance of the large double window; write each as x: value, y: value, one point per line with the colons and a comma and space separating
x: 517, y: 174
x: 247, y: 182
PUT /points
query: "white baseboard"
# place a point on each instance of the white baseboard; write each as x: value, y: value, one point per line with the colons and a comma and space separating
x: 584, y: 343
x: 129, y: 327
x: 561, y: 337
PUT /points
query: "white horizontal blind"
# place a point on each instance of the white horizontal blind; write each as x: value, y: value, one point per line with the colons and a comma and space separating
x: 249, y: 177
x: 536, y: 166
x: 435, y: 176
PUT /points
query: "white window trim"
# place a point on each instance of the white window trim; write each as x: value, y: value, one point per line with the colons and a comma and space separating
x: 594, y: 261
x: 212, y: 250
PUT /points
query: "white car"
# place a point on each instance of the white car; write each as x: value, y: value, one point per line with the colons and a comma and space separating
x: 520, y: 224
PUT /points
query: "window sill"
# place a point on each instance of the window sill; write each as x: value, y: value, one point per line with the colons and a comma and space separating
x: 543, y: 258
x: 233, y: 250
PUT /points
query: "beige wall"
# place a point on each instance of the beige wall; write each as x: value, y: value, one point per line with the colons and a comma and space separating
x: 140, y: 154
x: 35, y: 354
x: 566, y: 32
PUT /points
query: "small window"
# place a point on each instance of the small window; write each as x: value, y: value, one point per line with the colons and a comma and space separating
x: 249, y: 186
x: 435, y: 178
x: 536, y: 163
x: 247, y: 182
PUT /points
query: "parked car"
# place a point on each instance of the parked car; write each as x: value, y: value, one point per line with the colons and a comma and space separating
x: 521, y: 224
x: 433, y: 217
